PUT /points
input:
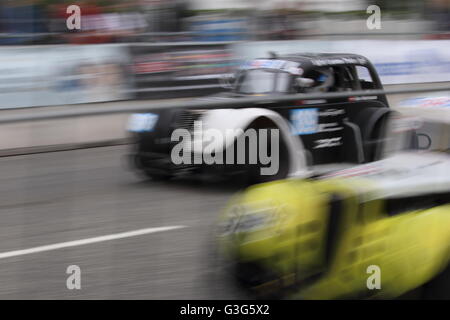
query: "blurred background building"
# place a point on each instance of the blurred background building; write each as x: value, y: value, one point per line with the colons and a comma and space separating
x: 171, y: 48
x: 43, y: 21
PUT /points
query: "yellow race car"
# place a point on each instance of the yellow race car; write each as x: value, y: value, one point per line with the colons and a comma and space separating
x: 379, y: 230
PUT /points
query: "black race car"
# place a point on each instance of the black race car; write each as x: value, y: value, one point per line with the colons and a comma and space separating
x: 312, y: 135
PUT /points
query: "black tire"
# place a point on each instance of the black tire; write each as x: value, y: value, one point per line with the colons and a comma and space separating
x: 156, y: 176
x: 371, y: 122
x: 149, y: 173
x: 439, y: 287
x: 254, y: 170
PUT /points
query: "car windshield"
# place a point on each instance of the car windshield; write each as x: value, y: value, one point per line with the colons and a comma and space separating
x: 263, y: 81
x: 410, y: 133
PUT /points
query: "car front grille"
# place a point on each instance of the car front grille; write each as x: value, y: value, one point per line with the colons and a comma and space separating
x: 185, y: 119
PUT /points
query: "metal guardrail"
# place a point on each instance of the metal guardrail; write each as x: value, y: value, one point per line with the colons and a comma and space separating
x: 203, y: 103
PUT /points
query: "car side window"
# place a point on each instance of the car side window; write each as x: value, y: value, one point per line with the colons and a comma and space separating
x: 345, y: 79
x: 284, y: 82
x: 322, y: 78
x: 365, y: 78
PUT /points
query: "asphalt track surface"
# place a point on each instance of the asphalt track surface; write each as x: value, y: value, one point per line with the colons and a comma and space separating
x: 50, y: 199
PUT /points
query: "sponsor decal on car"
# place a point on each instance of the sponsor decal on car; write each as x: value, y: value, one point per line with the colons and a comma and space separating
x: 338, y: 61
x: 328, y: 143
x: 305, y: 121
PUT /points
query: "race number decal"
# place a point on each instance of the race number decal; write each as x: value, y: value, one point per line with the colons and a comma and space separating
x: 305, y: 121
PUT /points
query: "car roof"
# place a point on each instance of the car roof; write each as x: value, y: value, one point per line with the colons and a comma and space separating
x: 325, y: 59
x: 308, y: 61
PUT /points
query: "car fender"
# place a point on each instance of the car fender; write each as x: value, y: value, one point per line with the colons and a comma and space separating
x: 226, y: 121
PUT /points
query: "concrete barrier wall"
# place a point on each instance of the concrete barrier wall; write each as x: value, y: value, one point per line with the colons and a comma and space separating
x: 52, y: 135
x: 93, y: 131
x: 62, y: 134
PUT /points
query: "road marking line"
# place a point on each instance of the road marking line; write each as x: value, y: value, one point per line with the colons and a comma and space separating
x: 82, y: 242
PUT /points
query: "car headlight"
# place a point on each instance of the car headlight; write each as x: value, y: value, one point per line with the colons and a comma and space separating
x: 142, y: 122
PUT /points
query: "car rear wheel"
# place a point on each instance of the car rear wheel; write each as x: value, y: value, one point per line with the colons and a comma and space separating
x: 371, y: 122
x: 254, y: 171
x: 137, y: 163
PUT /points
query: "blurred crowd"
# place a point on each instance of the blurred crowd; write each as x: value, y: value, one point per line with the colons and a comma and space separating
x: 106, y: 21
x: 44, y: 21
